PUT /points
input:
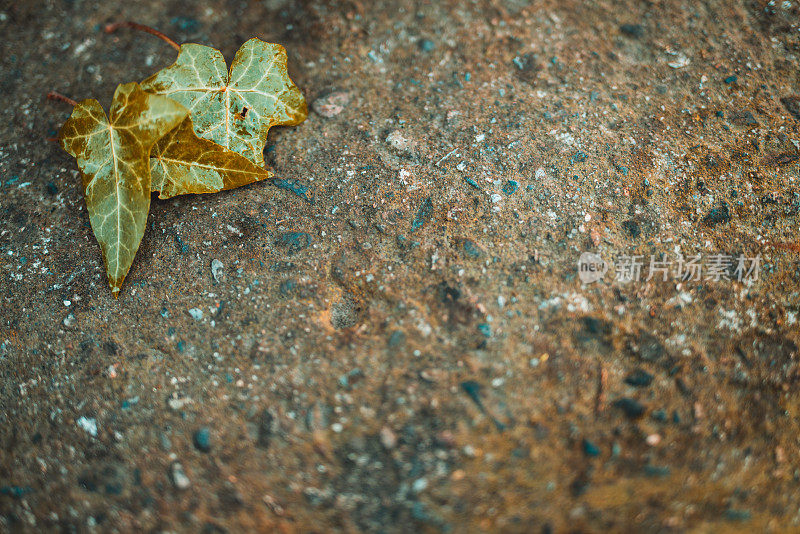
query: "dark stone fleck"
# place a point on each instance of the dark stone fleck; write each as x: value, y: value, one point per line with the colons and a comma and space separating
x: 656, y: 470
x: 16, y: 491
x: 632, y: 227
x: 580, y: 484
x: 737, y: 515
x: 632, y: 30
x: 295, y: 187
x: 590, y: 449
x: 186, y: 24
x: 266, y: 427
x: 229, y: 497
x: 660, y: 416
x: 639, y: 378
x: 472, y: 182
x: 510, y: 187
x: 426, y: 45
x: 718, y: 215
x: 485, y: 329
x: 596, y: 326
x: 471, y: 249
x: 202, y: 439
x: 294, y: 241
x: 423, y: 214
x: 730, y: 79
x: 630, y: 407
x: 473, y: 389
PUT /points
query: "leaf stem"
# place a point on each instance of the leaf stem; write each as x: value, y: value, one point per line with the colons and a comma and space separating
x: 111, y: 28
x: 58, y: 97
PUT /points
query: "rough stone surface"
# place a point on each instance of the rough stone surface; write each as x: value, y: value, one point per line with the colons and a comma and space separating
x: 357, y: 367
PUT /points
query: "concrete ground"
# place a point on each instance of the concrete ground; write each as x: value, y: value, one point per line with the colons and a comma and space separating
x: 409, y: 345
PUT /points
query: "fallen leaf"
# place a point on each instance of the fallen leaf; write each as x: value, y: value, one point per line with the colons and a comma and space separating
x: 234, y: 109
x: 113, y: 157
x: 182, y: 163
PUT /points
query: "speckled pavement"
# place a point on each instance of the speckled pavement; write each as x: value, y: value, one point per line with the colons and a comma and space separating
x: 399, y: 335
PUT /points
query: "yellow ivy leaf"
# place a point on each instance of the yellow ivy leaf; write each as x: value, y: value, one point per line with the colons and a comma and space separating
x: 182, y: 163
x: 234, y: 109
x: 113, y: 157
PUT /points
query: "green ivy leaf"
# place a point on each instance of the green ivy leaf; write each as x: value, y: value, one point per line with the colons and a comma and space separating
x: 182, y: 163
x: 234, y: 109
x: 113, y: 157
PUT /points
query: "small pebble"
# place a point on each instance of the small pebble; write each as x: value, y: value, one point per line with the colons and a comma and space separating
x: 737, y: 515
x: 590, y: 449
x: 656, y: 470
x: 331, y: 104
x: 202, y: 439
x: 217, y: 270
x: 631, y: 407
x: 397, y: 141
x: 178, y: 476
x: 196, y: 313
x: 510, y: 187
x: 718, y: 215
x: 653, y: 440
x: 632, y: 30
x: 639, y: 378
x: 89, y: 424
x: 388, y: 438
x: 680, y: 61
x: 426, y: 45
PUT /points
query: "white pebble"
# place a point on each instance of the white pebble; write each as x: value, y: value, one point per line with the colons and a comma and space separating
x: 216, y: 267
x: 89, y: 424
x: 179, y: 477
x: 397, y: 141
x: 419, y: 485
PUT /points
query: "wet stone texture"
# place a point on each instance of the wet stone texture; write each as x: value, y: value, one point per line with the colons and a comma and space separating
x: 395, y: 336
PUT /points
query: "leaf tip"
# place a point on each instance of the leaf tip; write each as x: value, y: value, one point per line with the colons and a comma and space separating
x: 115, y: 289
